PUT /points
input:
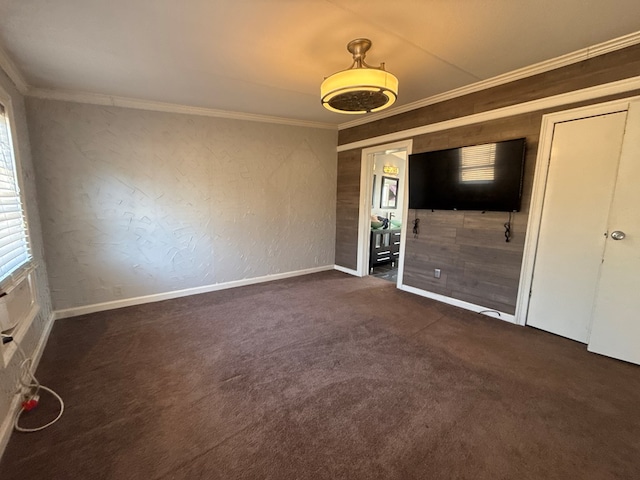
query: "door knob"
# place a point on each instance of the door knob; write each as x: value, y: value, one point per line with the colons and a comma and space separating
x: 618, y: 235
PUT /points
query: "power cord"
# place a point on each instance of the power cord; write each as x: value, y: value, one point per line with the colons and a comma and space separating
x: 507, y: 230
x: 29, y: 389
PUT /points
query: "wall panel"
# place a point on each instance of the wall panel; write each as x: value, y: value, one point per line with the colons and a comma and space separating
x: 138, y: 203
x: 347, y: 208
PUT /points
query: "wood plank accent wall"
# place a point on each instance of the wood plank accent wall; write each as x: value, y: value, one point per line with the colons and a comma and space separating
x: 477, y: 265
x: 347, y: 209
x: 606, y: 68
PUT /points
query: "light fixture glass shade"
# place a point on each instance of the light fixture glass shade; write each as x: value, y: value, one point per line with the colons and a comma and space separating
x: 361, y: 88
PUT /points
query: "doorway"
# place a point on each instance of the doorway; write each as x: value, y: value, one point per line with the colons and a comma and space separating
x: 383, y: 210
x: 578, y: 276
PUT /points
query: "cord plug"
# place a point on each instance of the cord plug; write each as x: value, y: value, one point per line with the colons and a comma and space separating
x: 30, y: 404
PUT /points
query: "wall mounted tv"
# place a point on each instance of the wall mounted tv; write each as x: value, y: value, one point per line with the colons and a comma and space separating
x: 484, y: 177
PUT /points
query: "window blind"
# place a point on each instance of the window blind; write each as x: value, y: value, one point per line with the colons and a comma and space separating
x: 14, y: 242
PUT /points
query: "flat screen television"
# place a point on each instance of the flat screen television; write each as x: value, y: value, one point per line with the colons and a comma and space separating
x: 484, y: 177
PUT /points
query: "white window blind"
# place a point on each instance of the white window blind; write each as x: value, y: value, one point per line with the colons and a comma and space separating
x: 14, y: 242
x: 478, y: 163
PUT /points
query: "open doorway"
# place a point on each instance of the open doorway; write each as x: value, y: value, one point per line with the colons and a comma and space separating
x: 383, y: 210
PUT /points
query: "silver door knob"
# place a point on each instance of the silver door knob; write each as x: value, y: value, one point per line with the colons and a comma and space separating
x: 618, y: 235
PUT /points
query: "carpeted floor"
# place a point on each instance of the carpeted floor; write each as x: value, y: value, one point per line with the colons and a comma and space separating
x: 325, y: 376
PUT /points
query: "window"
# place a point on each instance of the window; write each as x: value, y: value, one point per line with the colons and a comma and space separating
x: 15, y: 252
x: 18, y: 304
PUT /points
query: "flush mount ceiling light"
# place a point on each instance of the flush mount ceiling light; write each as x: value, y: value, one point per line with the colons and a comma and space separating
x: 361, y: 88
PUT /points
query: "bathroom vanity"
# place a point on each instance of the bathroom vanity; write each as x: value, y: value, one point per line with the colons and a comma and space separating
x: 385, y: 246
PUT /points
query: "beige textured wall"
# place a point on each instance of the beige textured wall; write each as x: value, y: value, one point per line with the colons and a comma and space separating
x: 9, y: 375
x: 137, y: 202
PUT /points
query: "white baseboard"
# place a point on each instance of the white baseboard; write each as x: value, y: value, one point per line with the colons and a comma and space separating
x: 157, y: 297
x: 346, y: 270
x: 490, y: 312
x: 7, y: 423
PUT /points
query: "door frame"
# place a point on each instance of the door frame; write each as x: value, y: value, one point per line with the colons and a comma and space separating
x: 366, y: 193
x: 539, y: 187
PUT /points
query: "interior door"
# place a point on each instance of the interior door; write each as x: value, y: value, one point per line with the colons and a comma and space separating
x: 616, y: 318
x: 581, y: 178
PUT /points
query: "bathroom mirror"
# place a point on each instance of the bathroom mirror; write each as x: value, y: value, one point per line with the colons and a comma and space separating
x: 389, y: 193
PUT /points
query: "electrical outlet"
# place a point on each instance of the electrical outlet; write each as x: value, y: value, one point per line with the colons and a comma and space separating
x: 117, y: 291
x: 436, y: 273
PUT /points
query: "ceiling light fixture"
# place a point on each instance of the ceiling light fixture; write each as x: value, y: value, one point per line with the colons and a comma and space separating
x: 361, y: 88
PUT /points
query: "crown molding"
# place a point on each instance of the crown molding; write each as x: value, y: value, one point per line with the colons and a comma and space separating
x: 613, y: 45
x: 126, y: 102
x: 7, y: 64
x: 529, y: 71
x: 13, y: 72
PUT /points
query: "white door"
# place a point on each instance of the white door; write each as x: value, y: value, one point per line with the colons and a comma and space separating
x: 580, y: 183
x: 616, y: 318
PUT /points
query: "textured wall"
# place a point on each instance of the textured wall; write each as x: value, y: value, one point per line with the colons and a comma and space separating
x: 137, y: 202
x: 9, y: 375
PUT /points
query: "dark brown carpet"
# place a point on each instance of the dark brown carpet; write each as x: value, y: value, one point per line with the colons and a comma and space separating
x: 325, y: 377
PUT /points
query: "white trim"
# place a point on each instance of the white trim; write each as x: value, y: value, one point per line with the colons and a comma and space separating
x: 157, y: 297
x: 126, y: 102
x: 366, y: 192
x: 612, y: 45
x: 7, y: 422
x: 539, y: 186
x: 528, y: 71
x: 507, y: 317
x: 12, y: 71
x: 346, y: 270
x: 590, y: 93
x: 405, y: 217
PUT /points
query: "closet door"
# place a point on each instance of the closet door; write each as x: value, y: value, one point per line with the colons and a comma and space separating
x: 580, y: 182
x: 616, y: 318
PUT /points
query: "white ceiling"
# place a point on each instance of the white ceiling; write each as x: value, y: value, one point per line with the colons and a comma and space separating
x: 269, y: 56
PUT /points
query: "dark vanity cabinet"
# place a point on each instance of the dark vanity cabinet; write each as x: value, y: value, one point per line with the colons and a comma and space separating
x: 385, y: 247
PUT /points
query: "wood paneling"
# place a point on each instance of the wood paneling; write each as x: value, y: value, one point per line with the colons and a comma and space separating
x: 476, y: 263
x: 472, y: 255
x: 347, y: 208
x: 613, y: 66
x: 478, y: 238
